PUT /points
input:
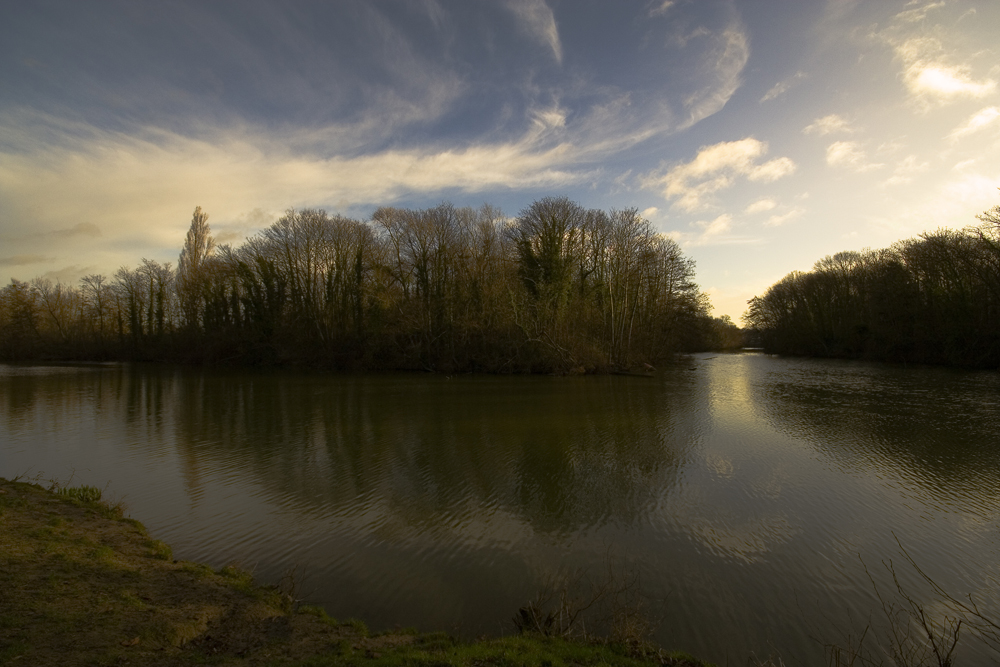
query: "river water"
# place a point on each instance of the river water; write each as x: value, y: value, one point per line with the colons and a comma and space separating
x: 748, y: 504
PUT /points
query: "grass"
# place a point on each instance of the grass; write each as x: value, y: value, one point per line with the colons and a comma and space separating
x: 92, y: 588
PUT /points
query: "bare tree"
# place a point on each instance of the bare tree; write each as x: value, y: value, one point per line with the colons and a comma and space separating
x: 198, y: 247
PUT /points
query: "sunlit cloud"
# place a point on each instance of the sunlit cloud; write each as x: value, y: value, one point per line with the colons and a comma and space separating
x: 932, y: 77
x: 978, y: 121
x: 905, y: 169
x: 782, y: 87
x: 661, y: 7
x: 850, y: 155
x: 722, y: 71
x: 537, y: 19
x: 715, y: 168
x: 919, y: 13
x: 827, y: 125
x: 772, y: 170
x: 760, y: 206
x: 780, y: 219
x: 142, y: 187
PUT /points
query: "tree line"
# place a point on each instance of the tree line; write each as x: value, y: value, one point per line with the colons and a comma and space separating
x: 559, y: 288
x: 931, y: 299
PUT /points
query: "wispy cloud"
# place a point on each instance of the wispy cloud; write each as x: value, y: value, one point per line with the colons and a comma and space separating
x: 722, y: 69
x: 660, y: 7
x: 716, y: 168
x: 779, y: 219
x: 934, y: 75
x: 782, y: 87
x: 979, y: 120
x: 760, y: 206
x: 918, y: 14
x: 23, y: 260
x: 905, y: 169
x: 850, y: 155
x: 536, y: 18
x: 141, y: 187
x: 827, y: 125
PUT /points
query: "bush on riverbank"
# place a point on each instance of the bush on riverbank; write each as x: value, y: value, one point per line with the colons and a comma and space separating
x: 81, y: 584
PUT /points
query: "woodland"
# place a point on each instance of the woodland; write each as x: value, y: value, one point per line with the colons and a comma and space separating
x: 933, y: 299
x: 558, y: 289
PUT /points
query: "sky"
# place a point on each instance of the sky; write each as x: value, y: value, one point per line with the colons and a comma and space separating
x: 761, y: 135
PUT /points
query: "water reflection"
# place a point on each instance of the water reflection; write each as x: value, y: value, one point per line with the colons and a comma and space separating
x: 741, y: 488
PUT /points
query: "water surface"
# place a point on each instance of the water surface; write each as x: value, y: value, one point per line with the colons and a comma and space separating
x: 743, y: 495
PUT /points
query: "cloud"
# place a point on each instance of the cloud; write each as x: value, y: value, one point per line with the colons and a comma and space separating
x: 905, y: 169
x: 930, y: 75
x: 760, y: 206
x: 143, y: 186
x: 538, y: 21
x: 83, y: 229
x: 717, y: 227
x: 780, y: 219
x: 661, y: 7
x: 715, y: 168
x: 978, y: 121
x: 22, y: 260
x: 827, y: 125
x: 773, y: 170
x: 717, y: 231
x: 721, y: 69
x: 850, y: 155
x: 780, y: 88
x: 919, y: 13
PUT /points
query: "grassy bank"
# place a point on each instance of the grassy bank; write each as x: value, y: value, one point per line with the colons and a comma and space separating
x: 81, y: 584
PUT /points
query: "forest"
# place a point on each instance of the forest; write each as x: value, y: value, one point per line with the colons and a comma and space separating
x: 558, y: 289
x: 932, y: 299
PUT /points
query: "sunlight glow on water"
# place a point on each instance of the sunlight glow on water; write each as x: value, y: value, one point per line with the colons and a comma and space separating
x: 747, y: 493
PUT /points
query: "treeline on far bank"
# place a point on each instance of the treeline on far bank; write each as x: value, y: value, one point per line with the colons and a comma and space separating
x: 558, y: 289
x: 931, y: 299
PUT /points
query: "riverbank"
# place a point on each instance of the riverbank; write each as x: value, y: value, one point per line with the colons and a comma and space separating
x: 82, y: 584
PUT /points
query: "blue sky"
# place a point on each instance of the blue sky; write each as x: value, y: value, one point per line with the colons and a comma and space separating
x: 761, y: 135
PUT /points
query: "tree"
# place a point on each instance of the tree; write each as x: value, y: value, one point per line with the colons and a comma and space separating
x: 198, y: 247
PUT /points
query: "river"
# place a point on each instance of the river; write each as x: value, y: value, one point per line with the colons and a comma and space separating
x: 746, y: 503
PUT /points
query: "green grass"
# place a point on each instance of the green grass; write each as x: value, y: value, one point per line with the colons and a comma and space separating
x: 85, y: 494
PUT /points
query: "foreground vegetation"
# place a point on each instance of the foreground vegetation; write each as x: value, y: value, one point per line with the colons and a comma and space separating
x: 82, y: 585
x: 933, y: 299
x: 557, y: 289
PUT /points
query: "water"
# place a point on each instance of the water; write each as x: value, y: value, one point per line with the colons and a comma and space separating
x: 752, y: 500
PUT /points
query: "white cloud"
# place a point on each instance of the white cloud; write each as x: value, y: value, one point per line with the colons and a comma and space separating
x: 978, y: 121
x: 715, y: 168
x: 827, y: 125
x: 773, y: 170
x: 710, y: 231
x: 905, y: 169
x: 919, y: 13
x: 931, y: 75
x: 760, y: 206
x: 780, y: 219
x: 722, y: 69
x: 113, y: 196
x: 780, y: 88
x: 538, y: 20
x: 849, y: 154
x: 661, y: 7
